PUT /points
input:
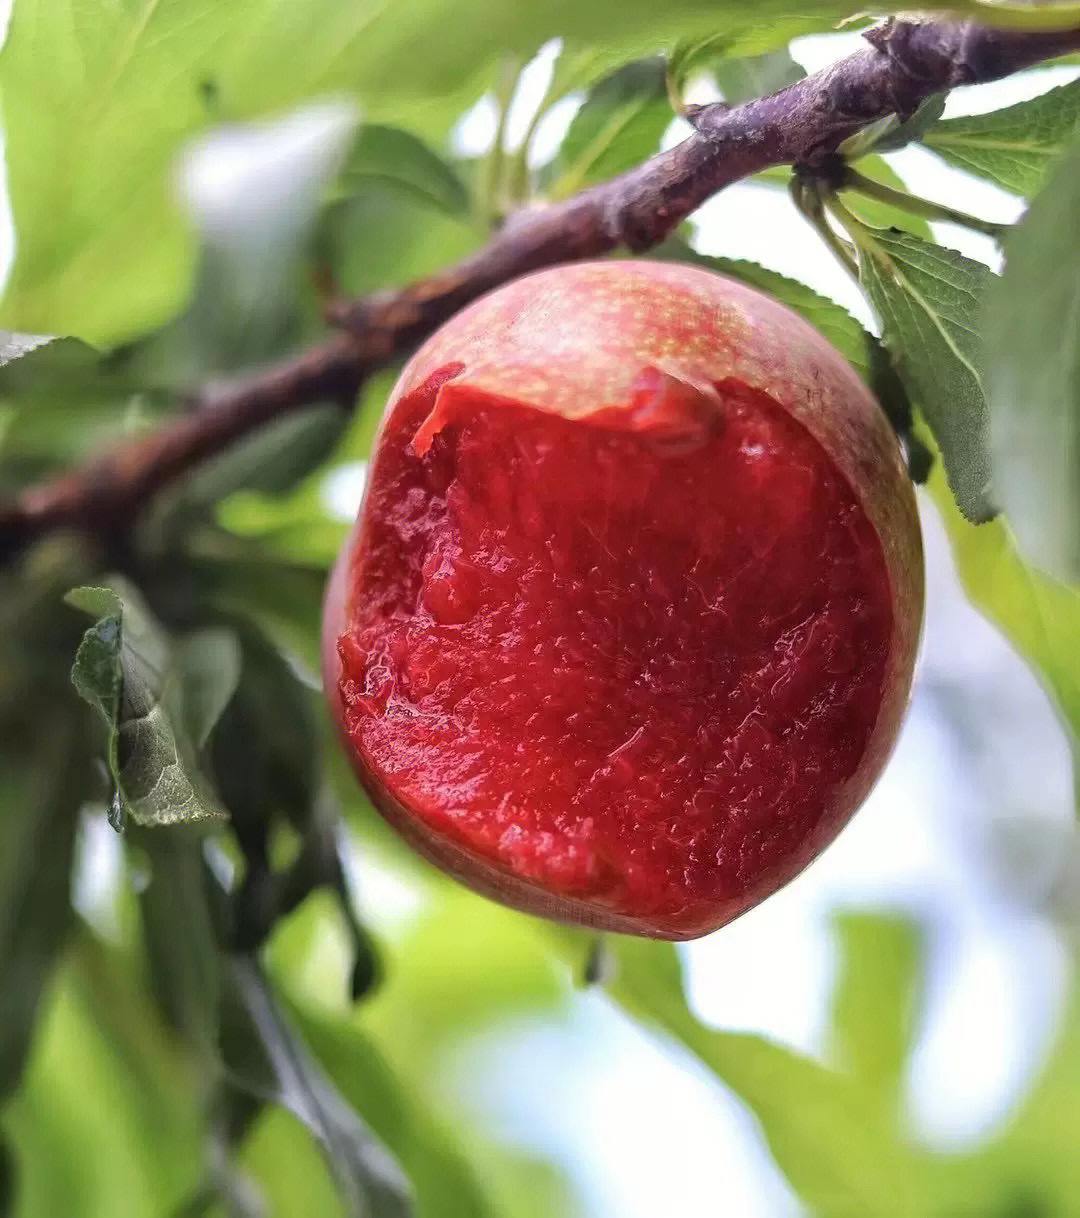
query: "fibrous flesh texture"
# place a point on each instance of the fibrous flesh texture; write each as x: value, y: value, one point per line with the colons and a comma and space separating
x: 627, y: 658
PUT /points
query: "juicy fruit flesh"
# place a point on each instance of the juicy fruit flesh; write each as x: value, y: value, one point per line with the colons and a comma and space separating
x: 628, y: 668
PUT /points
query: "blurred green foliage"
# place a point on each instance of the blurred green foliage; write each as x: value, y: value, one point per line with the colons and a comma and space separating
x: 233, y: 1039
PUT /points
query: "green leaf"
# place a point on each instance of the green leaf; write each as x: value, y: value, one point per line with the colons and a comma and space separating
x: 392, y: 155
x: 265, y: 1057
x: 266, y: 746
x: 178, y: 931
x: 63, y: 398
x: 927, y: 114
x: 926, y: 298
x: 883, y: 215
x: 446, y: 1185
x: 891, y: 132
x: 253, y: 293
x: 109, y: 1119
x: 870, y: 211
x: 103, y: 252
x: 96, y: 673
x: 280, y: 1169
x: 124, y: 260
x: 297, y: 526
x: 209, y: 663
x: 832, y: 320
x: 1031, y: 370
x: 282, y: 599
x: 45, y: 775
x: 1034, y: 1159
x: 385, y: 233
x: 1039, y: 615
x: 875, y: 1001
x: 16, y: 346
x: 476, y: 965
x: 827, y: 1136
x: 129, y: 670
x: 272, y: 460
x: 740, y: 80
x: 1013, y: 147
x: 102, y: 249
x: 619, y: 125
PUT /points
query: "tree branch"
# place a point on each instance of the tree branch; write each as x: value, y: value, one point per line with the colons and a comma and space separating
x: 904, y: 63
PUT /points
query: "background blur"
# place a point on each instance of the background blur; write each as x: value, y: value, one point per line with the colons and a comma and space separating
x: 934, y: 923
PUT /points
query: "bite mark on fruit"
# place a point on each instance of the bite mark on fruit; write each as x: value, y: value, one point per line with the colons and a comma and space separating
x: 627, y: 657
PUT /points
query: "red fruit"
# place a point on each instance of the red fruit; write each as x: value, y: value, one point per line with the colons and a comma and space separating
x: 625, y: 629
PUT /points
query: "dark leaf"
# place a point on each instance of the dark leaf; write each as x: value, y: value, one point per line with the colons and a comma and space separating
x: 272, y: 460
x: 44, y: 776
x: 209, y: 664
x: 384, y: 233
x: 131, y: 671
x: 265, y: 748
x: 265, y: 1057
x: 447, y: 1186
x: 7, y: 1180
x: 179, y: 933
x: 283, y: 599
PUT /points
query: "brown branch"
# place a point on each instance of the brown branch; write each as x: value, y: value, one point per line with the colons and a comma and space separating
x: 904, y: 63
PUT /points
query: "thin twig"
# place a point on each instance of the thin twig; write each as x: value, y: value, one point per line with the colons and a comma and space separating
x: 905, y: 62
x: 808, y: 200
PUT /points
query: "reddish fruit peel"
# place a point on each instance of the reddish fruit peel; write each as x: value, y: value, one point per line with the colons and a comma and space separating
x: 627, y: 624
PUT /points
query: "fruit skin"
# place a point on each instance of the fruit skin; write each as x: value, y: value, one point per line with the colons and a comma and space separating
x: 578, y: 339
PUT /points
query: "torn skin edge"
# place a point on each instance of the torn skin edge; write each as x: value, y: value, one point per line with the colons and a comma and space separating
x: 675, y: 413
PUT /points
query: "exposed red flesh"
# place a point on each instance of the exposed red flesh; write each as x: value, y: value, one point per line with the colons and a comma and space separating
x: 628, y: 659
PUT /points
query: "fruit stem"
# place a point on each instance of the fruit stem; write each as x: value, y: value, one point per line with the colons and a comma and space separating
x: 850, y: 222
x: 917, y: 206
x: 808, y: 200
